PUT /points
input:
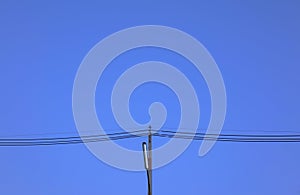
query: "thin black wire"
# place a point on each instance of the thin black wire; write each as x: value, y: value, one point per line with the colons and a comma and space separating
x: 230, y: 139
x: 71, y: 137
x: 141, y: 133
x: 231, y: 135
x: 78, y: 140
x: 63, y: 132
x: 239, y: 130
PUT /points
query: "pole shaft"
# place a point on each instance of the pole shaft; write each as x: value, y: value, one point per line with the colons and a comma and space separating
x: 149, y: 186
x: 150, y: 159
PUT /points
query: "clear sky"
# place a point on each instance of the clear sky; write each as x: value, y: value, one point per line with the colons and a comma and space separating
x: 256, y: 45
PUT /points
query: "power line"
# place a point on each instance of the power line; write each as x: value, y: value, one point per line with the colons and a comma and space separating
x: 236, y: 139
x: 41, y: 141
x: 74, y: 137
x: 69, y: 140
x: 230, y: 137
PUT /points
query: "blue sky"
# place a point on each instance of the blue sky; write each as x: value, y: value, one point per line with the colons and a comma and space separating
x: 255, y: 44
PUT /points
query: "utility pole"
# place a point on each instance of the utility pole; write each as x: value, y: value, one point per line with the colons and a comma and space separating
x: 150, y: 158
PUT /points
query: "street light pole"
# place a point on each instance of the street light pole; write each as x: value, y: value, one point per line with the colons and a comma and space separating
x: 146, y: 163
x: 148, y: 160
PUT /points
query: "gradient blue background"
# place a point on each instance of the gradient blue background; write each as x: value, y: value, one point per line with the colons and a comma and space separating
x: 255, y: 43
